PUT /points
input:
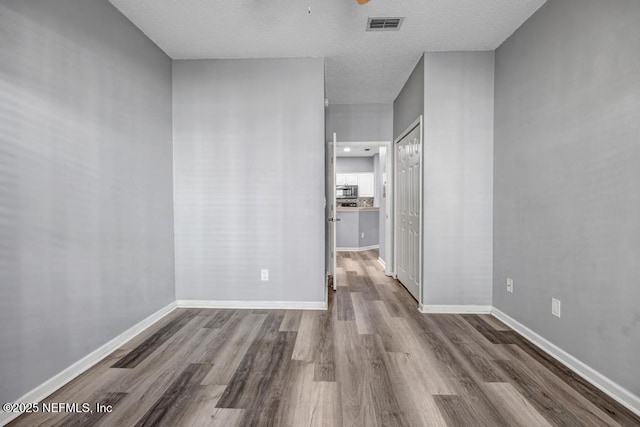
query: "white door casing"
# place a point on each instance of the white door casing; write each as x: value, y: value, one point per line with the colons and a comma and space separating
x: 389, y: 213
x: 408, y: 208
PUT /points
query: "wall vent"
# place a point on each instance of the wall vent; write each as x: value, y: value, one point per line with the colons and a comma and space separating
x: 384, y: 24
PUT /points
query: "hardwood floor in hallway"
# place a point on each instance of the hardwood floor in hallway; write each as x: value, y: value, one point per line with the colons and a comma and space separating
x: 371, y: 359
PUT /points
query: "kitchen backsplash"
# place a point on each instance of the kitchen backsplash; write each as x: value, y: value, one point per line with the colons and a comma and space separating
x: 365, y: 202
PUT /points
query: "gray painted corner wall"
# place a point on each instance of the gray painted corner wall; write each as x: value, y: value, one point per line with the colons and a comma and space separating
x: 409, y: 104
x: 354, y: 164
x: 458, y: 178
x: 567, y: 206
x: 360, y: 122
x: 86, y: 223
x: 249, y: 179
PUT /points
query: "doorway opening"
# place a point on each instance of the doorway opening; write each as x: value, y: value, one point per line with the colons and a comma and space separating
x: 359, y: 203
x: 374, y: 210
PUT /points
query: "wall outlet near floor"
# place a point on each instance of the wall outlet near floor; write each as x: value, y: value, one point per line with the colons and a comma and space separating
x: 555, y: 307
x: 362, y: 236
x: 509, y: 284
x: 264, y: 274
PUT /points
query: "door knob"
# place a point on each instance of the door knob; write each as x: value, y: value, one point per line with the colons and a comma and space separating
x: 334, y: 219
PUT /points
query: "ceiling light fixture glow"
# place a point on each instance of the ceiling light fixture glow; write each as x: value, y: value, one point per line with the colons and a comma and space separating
x: 347, y: 149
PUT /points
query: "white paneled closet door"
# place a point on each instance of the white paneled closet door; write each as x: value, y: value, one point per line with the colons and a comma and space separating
x: 408, y: 201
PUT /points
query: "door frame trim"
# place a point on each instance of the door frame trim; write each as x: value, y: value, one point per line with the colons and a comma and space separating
x: 411, y: 127
x: 389, y: 212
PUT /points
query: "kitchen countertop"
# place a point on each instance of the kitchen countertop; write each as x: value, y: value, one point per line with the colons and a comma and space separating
x: 355, y: 209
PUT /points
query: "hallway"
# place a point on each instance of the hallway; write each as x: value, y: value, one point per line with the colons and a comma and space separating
x: 371, y: 359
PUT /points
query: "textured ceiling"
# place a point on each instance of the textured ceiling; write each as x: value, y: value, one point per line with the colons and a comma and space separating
x: 361, y: 67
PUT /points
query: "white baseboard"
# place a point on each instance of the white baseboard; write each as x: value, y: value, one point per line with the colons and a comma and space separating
x: 267, y: 305
x: 612, y: 389
x: 48, y: 387
x: 455, y: 309
x: 382, y: 263
x: 360, y: 249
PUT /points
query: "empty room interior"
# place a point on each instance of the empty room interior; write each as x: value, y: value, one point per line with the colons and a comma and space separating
x: 337, y: 212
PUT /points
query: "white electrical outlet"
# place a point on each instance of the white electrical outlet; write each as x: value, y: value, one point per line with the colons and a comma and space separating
x: 264, y: 274
x: 509, y: 284
x: 362, y: 236
x: 555, y: 307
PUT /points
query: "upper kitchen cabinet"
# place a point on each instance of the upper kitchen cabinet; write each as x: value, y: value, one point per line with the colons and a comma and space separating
x: 347, y: 179
x: 365, y: 184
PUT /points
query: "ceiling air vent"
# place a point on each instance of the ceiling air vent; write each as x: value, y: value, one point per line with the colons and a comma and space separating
x: 384, y: 24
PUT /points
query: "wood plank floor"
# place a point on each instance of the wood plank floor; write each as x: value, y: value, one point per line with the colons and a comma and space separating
x: 370, y: 360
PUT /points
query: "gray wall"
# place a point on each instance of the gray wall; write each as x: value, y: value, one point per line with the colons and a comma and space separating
x: 567, y: 206
x: 360, y: 122
x: 86, y: 224
x: 458, y: 178
x: 352, y: 225
x: 354, y: 165
x: 347, y: 229
x: 409, y: 104
x: 249, y: 179
x: 369, y: 226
